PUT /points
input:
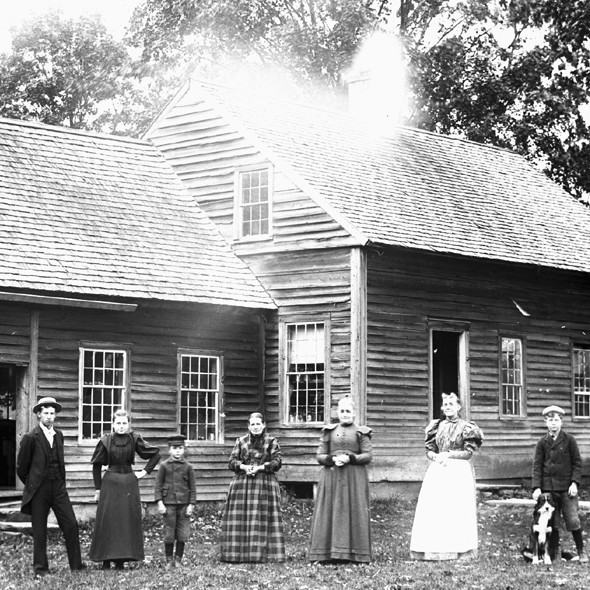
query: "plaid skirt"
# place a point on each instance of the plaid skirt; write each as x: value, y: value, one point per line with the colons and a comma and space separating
x: 252, y: 525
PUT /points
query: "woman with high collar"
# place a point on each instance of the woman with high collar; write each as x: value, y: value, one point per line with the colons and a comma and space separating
x: 445, y: 522
x: 252, y: 524
x: 118, y: 531
x: 340, y: 528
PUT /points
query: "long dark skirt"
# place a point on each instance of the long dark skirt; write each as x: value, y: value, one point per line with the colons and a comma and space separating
x: 118, y: 533
x: 252, y: 525
x: 340, y: 527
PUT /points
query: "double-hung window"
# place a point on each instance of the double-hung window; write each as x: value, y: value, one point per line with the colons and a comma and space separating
x: 581, y: 382
x: 200, y: 392
x: 103, y: 384
x: 253, y: 202
x: 512, y: 390
x: 305, y: 397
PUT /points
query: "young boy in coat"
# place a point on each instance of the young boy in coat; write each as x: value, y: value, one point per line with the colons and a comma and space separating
x: 176, y: 494
x: 557, y: 468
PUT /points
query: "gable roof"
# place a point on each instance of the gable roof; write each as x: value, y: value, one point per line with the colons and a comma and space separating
x: 92, y: 214
x: 409, y: 188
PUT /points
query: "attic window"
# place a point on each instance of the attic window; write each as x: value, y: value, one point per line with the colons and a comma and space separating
x: 253, y: 203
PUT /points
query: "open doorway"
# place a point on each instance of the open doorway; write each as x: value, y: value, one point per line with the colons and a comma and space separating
x: 11, y: 389
x: 448, y: 362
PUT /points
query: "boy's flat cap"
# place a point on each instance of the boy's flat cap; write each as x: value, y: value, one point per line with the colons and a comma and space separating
x: 553, y: 409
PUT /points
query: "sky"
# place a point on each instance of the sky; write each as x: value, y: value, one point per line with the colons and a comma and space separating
x: 115, y: 13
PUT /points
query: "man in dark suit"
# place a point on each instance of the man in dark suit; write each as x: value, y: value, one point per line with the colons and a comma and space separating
x: 40, y: 466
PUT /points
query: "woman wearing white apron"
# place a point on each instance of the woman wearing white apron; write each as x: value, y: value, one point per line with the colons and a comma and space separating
x: 445, y: 522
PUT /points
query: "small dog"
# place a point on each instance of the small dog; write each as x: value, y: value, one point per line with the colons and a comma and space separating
x: 542, y: 530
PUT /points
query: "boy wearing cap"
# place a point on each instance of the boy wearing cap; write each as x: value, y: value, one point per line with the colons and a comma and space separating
x: 557, y: 468
x: 176, y: 494
x: 41, y: 467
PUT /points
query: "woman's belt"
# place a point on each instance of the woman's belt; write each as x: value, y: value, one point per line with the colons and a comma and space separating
x: 120, y: 469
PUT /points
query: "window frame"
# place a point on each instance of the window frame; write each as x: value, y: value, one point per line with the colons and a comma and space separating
x: 522, y: 414
x: 239, y: 207
x: 585, y: 346
x: 284, y: 406
x: 125, y: 390
x: 220, y: 422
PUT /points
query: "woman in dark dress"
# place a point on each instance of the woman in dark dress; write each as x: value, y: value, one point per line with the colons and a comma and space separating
x: 118, y: 532
x: 252, y: 525
x: 340, y: 527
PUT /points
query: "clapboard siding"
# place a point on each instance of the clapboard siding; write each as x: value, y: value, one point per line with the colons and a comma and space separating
x: 405, y: 291
x: 206, y: 150
x: 306, y: 285
x: 15, y: 330
x: 153, y: 335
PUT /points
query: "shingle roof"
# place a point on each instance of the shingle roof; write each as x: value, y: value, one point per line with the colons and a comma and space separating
x: 92, y: 214
x: 415, y: 189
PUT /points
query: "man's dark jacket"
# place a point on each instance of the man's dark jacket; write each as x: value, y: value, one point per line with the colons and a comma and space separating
x: 557, y: 463
x: 33, y: 462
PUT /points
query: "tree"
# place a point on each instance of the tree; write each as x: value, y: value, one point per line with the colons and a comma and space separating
x: 513, y: 73
x: 313, y: 40
x: 62, y: 71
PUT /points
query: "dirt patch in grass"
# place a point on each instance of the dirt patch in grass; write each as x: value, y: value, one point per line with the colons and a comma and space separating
x: 503, y: 532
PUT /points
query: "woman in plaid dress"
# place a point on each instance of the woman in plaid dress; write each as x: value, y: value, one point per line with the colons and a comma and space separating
x: 252, y: 525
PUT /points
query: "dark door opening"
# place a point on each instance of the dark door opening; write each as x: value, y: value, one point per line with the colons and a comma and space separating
x: 445, y: 367
x: 11, y: 383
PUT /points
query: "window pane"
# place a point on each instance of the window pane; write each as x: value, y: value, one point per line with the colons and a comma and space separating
x: 199, y: 395
x: 511, y: 375
x: 581, y: 382
x: 305, y: 372
x: 102, y: 386
x: 254, y: 203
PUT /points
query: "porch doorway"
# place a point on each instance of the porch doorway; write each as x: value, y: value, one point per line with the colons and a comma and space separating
x: 11, y: 392
x: 449, y: 373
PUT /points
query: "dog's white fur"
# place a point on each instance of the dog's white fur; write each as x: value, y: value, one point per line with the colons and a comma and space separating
x: 542, y: 530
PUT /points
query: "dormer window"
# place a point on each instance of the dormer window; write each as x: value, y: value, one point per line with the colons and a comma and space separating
x: 253, y: 203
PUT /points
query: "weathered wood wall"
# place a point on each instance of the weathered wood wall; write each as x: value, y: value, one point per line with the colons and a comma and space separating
x: 405, y: 290
x: 306, y: 266
x: 154, y: 334
x: 308, y: 286
x: 205, y: 151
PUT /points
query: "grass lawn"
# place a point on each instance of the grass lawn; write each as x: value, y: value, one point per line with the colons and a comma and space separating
x: 503, y: 531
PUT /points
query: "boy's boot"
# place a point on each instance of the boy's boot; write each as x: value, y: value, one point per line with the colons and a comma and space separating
x: 169, y: 550
x: 554, y: 550
x: 179, y: 552
x: 577, y: 535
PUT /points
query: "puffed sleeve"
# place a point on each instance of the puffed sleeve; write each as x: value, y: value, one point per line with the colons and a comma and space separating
x: 235, y: 459
x: 472, y: 437
x: 99, y: 458
x: 323, y: 455
x: 148, y: 452
x: 366, y: 455
x: 430, y: 436
x: 275, y: 460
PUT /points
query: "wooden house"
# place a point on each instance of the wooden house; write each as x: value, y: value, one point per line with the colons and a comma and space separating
x: 116, y: 290
x: 403, y: 264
